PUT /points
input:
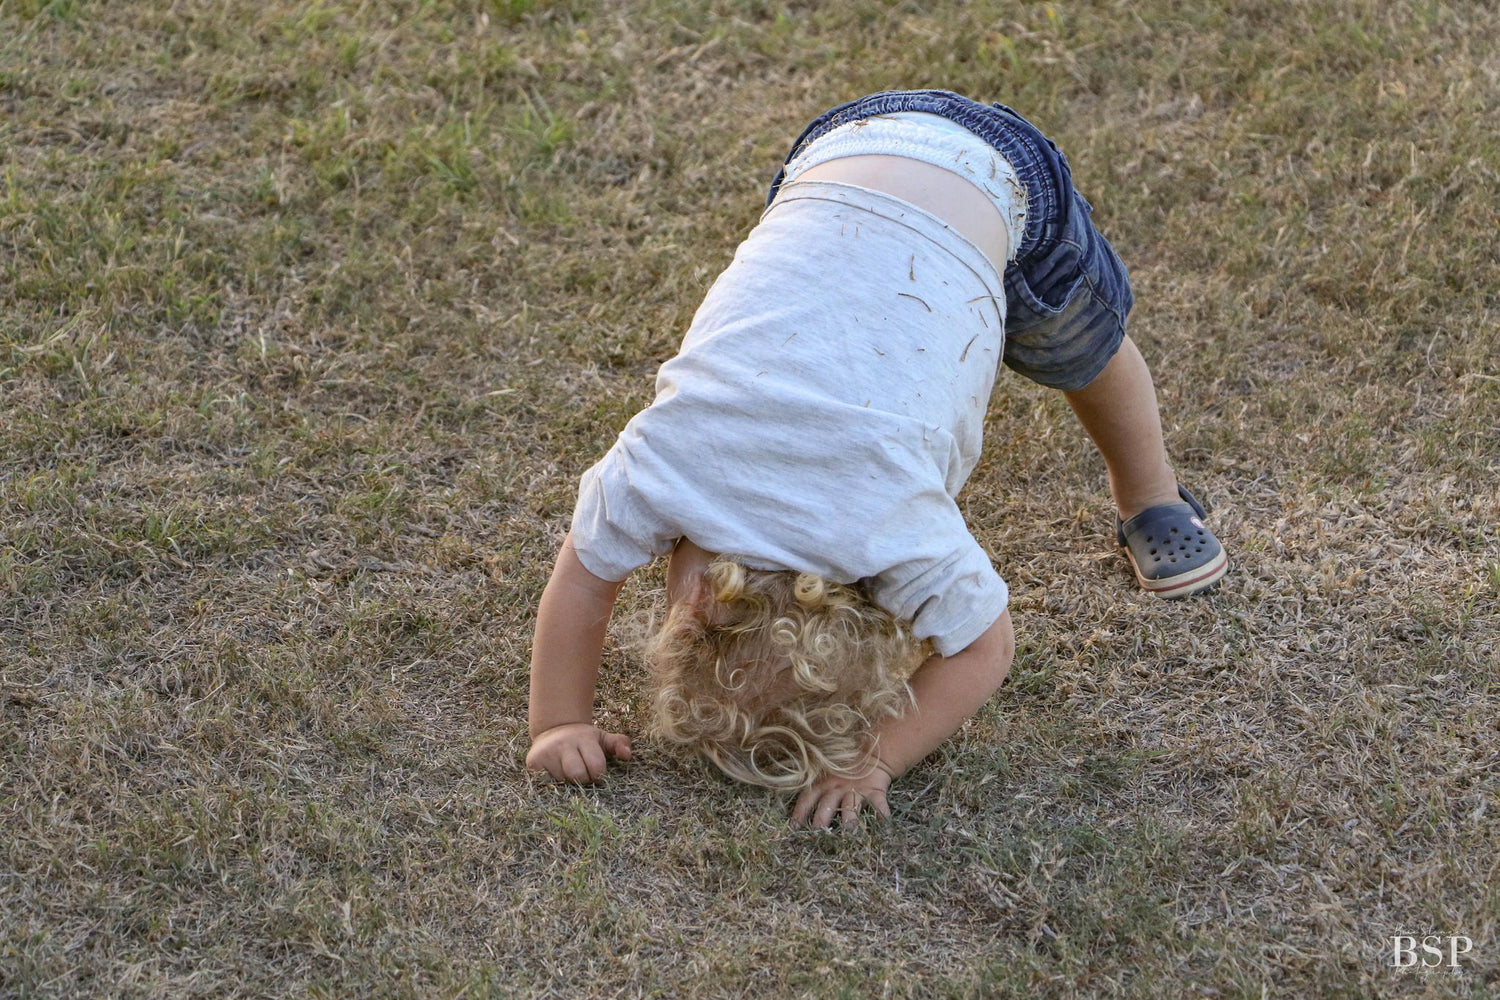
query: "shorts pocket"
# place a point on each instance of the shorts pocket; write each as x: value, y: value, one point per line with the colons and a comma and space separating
x: 1037, y: 293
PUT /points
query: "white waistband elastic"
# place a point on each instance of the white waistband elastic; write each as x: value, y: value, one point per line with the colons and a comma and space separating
x: 932, y: 139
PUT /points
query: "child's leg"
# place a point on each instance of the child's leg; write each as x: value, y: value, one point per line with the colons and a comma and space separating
x: 1118, y: 409
x: 1160, y: 525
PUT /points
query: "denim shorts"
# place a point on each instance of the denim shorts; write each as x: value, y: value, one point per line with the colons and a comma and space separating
x: 1067, y: 294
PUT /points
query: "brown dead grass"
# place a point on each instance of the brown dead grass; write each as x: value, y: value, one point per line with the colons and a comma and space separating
x: 314, y: 313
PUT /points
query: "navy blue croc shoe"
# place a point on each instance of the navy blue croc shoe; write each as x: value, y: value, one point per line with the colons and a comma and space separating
x: 1172, y: 550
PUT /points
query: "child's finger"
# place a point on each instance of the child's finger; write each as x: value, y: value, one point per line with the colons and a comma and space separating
x: 849, y: 804
x: 807, y: 806
x: 827, y: 806
x: 804, y: 805
x: 536, y: 762
x: 574, y: 767
x: 880, y: 804
x: 617, y: 745
x: 593, y: 759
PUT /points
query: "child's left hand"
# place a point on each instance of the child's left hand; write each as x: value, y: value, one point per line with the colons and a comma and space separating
x: 845, y: 797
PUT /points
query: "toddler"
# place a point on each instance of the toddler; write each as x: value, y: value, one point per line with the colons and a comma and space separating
x: 830, y: 619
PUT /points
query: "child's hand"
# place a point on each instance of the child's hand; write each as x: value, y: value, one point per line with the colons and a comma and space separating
x: 575, y: 752
x: 844, y: 796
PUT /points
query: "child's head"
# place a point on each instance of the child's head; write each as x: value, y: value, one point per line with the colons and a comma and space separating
x: 778, y: 677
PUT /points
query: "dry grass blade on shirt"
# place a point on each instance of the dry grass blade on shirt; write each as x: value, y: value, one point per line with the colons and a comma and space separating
x: 313, y: 314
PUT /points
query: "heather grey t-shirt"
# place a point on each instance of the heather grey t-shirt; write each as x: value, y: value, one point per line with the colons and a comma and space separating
x: 826, y: 407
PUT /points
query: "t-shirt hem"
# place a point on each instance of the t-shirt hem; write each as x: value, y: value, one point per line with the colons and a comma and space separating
x: 601, y: 568
x: 607, y: 548
x: 957, y: 640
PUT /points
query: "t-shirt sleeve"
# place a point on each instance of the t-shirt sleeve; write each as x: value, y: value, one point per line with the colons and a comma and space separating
x: 951, y: 601
x: 614, y: 530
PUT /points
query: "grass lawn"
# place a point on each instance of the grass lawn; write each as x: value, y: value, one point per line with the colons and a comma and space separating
x: 311, y: 314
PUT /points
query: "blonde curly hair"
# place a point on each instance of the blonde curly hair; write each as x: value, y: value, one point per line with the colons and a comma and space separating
x: 779, y: 678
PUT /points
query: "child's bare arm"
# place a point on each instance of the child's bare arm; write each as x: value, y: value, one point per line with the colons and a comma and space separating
x: 948, y: 689
x: 570, y: 624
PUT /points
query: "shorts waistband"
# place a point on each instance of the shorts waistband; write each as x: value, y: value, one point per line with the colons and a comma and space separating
x: 929, y: 139
x: 1040, y: 166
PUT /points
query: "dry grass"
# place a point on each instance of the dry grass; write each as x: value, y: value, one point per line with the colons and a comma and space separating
x: 314, y: 312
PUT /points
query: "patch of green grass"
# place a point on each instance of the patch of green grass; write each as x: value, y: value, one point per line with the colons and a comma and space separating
x: 61, y: 10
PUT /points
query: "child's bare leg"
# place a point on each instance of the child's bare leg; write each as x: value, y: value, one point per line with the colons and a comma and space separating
x: 1118, y: 409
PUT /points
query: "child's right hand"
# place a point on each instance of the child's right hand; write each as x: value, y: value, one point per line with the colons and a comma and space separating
x: 576, y: 752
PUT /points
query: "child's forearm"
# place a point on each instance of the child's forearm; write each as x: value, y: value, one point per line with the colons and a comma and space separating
x: 948, y: 690
x: 570, y: 625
